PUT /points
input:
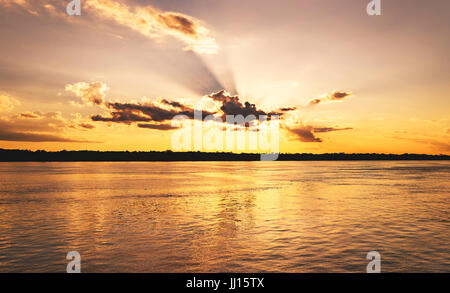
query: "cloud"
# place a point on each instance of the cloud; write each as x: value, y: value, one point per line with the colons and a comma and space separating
x: 154, y: 23
x: 307, y: 133
x: 7, y: 102
x: 231, y: 105
x: 334, y: 96
x: 175, y: 104
x: 138, y: 112
x: 157, y: 126
x: 92, y: 92
x: 288, y: 109
x: 34, y: 122
x: 304, y: 133
x: 178, y: 22
x: 154, y: 112
x: 86, y: 125
x: 155, y: 115
x: 123, y: 116
x: 146, y: 20
x: 339, y: 95
x: 28, y: 115
x: 24, y: 4
x: 329, y: 129
x: 36, y: 127
x: 7, y: 135
x: 151, y: 112
x: 163, y: 110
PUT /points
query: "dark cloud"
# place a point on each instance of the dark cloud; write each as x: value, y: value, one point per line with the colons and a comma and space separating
x: 28, y: 115
x: 305, y: 133
x: 124, y: 116
x: 339, y: 95
x: 288, y: 109
x: 329, y: 129
x: 151, y: 112
x: 157, y: 126
x: 174, y: 104
x: 178, y: 22
x: 134, y: 112
x: 334, y: 96
x: 232, y: 106
x: 86, y: 125
x: 166, y: 110
x: 315, y: 101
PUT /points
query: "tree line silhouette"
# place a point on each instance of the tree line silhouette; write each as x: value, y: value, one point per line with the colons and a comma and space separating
x: 9, y: 155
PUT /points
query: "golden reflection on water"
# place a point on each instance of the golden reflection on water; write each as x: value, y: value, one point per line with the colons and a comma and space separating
x: 225, y: 216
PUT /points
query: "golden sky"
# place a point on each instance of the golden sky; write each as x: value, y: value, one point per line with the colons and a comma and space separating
x: 113, y: 78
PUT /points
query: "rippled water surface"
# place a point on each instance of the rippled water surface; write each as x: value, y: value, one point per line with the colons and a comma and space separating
x: 225, y: 216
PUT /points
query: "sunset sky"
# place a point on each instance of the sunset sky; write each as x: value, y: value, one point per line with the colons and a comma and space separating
x: 112, y: 78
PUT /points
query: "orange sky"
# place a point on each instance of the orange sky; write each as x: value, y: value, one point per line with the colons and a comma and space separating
x: 109, y: 79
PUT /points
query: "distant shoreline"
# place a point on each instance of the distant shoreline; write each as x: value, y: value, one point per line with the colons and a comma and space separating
x: 8, y: 155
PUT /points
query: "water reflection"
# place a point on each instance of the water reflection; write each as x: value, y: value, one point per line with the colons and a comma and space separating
x: 225, y: 216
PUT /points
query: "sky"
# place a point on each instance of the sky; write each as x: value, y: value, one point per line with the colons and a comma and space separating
x: 114, y: 77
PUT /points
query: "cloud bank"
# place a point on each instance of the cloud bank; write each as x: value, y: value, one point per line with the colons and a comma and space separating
x: 36, y: 127
x: 156, y: 115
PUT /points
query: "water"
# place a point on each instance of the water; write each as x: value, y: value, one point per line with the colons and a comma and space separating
x: 225, y: 216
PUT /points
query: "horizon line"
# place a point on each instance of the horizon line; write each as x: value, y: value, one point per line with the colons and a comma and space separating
x: 222, y: 152
x: 16, y: 155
